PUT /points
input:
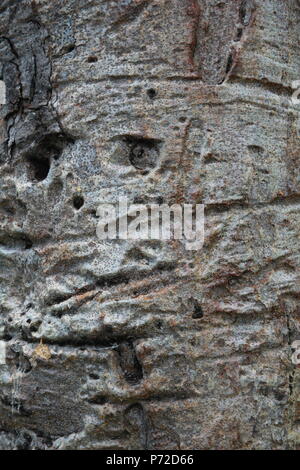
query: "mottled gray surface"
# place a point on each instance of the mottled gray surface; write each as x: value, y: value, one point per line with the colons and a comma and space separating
x: 145, y: 344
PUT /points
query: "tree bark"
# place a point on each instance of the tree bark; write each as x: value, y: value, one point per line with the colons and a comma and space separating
x: 143, y: 344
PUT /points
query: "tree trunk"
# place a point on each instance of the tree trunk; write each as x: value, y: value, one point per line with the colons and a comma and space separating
x: 123, y: 344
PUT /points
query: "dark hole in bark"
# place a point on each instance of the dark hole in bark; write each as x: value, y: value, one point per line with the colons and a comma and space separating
x: 229, y: 63
x: 49, y: 147
x: 143, y: 152
x: 129, y: 363
x: 78, y: 202
x: 151, y: 93
x: 39, y: 167
x: 94, y: 376
x: 98, y: 400
x: 91, y: 59
x: 198, y: 312
x: 28, y: 243
x: 70, y: 48
x: 239, y: 34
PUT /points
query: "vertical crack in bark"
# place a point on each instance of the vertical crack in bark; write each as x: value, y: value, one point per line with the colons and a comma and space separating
x: 31, y: 115
x: 130, y: 365
x: 194, y: 11
x: 214, y: 55
x: 15, y: 103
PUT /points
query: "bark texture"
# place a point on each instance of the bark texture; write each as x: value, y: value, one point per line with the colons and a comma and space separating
x: 147, y: 345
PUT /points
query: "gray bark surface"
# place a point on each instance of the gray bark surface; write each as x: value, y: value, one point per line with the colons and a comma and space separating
x: 146, y: 345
